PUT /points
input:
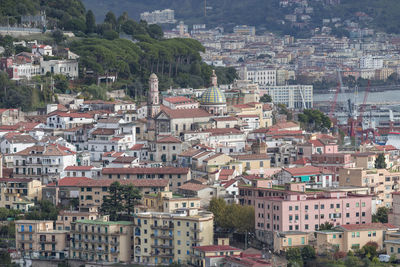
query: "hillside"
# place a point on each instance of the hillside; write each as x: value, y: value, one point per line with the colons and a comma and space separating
x: 176, y: 62
x: 264, y: 14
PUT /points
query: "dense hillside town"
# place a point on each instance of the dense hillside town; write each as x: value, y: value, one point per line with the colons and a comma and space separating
x: 124, y: 143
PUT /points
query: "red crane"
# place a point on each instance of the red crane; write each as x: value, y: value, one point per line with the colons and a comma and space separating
x: 333, y: 105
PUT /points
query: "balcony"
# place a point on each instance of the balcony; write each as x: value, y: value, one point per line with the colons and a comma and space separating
x: 162, y: 255
x: 167, y: 246
x: 197, y: 239
x: 48, y: 241
x: 197, y: 230
x: 162, y: 227
x: 168, y: 237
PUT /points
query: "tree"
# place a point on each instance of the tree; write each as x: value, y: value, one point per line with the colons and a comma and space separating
x: 314, y: 120
x: 369, y: 250
x: 381, y: 215
x: 58, y: 36
x: 111, y: 19
x: 112, y: 203
x: 131, y: 196
x: 308, y: 253
x: 218, y: 208
x: 380, y: 162
x: 294, y: 257
x: 90, y: 22
x: 121, y: 199
x: 266, y: 98
x: 326, y: 226
x: 43, y: 210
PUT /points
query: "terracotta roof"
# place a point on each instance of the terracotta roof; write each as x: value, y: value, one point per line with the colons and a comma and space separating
x: 216, y: 248
x: 184, y: 113
x: 71, y: 115
x: 225, y: 119
x: 307, y: 170
x: 316, y: 143
x: 226, y: 172
x: 179, y: 100
x: 284, y: 125
x: 386, y: 148
x: 213, y: 157
x: 124, y: 160
x: 302, y: 161
x: 47, y: 150
x: 79, y: 168
x: 113, y: 154
x: 190, y: 152
x: 71, y: 181
x: 192, y: 187
x: 134, y: 182
x: 228, y: 183
x: 251, y: 157
x: 169, y: 139
x: 223, y: 131
x: 164, y: 170
x: 137, y: 147
x: 203, y: 154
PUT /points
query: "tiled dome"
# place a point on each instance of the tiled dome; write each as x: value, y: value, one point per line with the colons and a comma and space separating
x: 213, y: 96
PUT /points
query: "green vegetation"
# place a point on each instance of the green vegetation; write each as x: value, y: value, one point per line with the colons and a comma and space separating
x: 314, y: 120
x: 265, y: 15
x: 43, y: 210
x: 176, y: 62
x: 326, y: 226
x: 122, y: 199
x: 380, y: 162
x: 232, y: 216
x: 381, y: 215
x: 266, y: 99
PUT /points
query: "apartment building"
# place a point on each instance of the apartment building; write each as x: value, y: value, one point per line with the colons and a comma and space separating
x: 163, y: 238
x: 212, y: 255
x: 175, y: 175
x: 101, y: 241
x: 259, y: 75
x: 66, y: 217
x: 19, y: 193
x: 380, y: 182
x: 92, y: 192
x: 290, y: 239
x: 353, y: 236
x: 168, y: 202
x: 46, y: 162
x: 39, y: 239
x: 293, y: 96
x: 293, y: 208
x: 394, y: 214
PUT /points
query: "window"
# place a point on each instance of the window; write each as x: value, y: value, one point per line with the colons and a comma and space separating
x: 369, y: 234
x: 358, y: 234
x: 337, y: 206
x: 357, y: 204
x: 290, y: 208
x: 363, y: 204
x: 306, y: 217
x: 296, y: 207
x: 322, y: 206
x: 347, y: 205
x: 332, y: 206
x: 306, y: 207
x: 353, y: 234
x: 334, y: 236
x: 315, y: 207
x: 373, y: 233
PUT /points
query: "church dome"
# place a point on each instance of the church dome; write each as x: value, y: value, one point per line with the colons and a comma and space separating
x: 213, y: 96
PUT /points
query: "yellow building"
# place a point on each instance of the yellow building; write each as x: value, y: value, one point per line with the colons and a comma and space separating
x: 163, y: 238
x: 92, y: 192
x: 380, y: 182
x: 101, y: 241
x: 216, y: 162
x: 289, y: 239
x: 212, y: 255
x: 366, y: 160
x: 254, y: 163
x: 38, y: 239
x: 66, y: 217
x: 352, y: 236
x: 249, y: 109
x: 168, y: 202
x: 19, y: 193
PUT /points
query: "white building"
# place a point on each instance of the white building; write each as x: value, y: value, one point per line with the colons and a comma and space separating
x: 371, y: 62
x: 180, y: 102
x: 24, y: 71
x: 293, y: 96
x: 46, y: 163
x: 63, y: 120
x: 159, y: 16
x: 13, y: 143
x: 260, y: 75
x: 42, y: 50
x: 69, y: 68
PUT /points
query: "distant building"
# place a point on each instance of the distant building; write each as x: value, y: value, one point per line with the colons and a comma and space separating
x: 245, y: 30
x: 293, y: 96
x: 159, y: 16
x: 371, y: 62
x: 260, y: 75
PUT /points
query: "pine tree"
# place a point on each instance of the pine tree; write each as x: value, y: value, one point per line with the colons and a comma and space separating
x: 380, y: 162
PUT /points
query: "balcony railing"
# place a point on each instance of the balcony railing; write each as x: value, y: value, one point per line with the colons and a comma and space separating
x: 167, y: 246
x: 162, y: 227
x: 197, y: 239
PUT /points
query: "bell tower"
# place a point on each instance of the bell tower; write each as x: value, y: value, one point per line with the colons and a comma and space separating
x: 214, y: 79
x: 153, y: 100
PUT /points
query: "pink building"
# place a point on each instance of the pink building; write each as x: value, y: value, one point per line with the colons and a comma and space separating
x: 333, y: 161
x: 293, y: 208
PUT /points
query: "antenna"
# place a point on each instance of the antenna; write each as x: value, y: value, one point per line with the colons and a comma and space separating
x: 205, y: 8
